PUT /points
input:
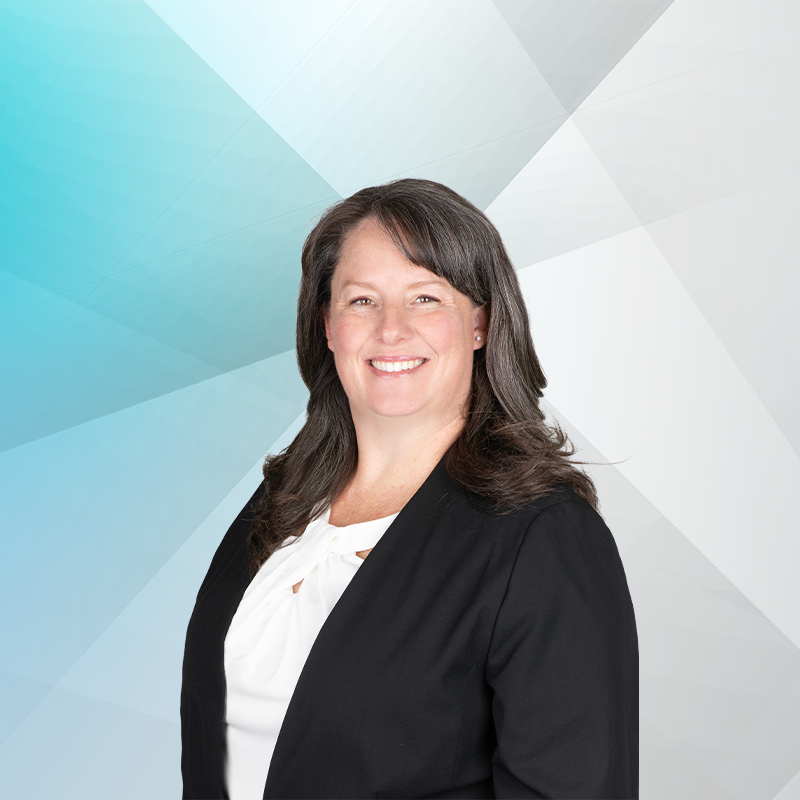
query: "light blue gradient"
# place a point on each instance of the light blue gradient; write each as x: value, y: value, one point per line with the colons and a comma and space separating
x: 151, y: 222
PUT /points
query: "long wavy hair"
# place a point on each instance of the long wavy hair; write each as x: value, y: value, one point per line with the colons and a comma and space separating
x: 506, y: 454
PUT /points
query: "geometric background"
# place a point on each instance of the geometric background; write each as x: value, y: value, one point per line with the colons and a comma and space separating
x: 160, y: 165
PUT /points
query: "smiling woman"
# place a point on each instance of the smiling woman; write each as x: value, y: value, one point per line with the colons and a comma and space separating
x: 402, y: 338
x: 421, y: 599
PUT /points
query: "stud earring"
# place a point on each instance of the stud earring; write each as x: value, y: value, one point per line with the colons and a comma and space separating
x: 477, y: 338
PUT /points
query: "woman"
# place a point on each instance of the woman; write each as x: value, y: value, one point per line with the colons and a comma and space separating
x: 421, y: 599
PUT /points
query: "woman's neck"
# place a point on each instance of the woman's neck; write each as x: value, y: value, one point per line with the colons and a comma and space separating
x: 394, y: 459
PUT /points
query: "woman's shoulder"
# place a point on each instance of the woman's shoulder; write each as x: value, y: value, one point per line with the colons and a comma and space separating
x: 558, y: 495
x: 233, y: 549
x: 240, y: 527
x: 567, y: 543
x: 559, y: 502
x: 569, y: 520
x: 557, y: 527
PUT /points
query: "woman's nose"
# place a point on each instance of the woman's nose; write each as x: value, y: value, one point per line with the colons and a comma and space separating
x: 394, y: 324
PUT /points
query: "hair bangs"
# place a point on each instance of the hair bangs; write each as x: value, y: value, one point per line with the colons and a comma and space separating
x: 435, y: 242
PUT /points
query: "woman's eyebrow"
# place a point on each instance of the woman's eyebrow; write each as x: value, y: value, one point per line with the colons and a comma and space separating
x: 415, y: 285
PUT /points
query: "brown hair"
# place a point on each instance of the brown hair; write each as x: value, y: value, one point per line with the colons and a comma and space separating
x: 505, y: 454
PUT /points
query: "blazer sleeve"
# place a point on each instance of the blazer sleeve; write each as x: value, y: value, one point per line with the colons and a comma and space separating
x: 563, y: 664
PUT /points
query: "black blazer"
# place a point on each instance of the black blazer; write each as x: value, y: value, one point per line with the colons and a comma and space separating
x: 471, y: 655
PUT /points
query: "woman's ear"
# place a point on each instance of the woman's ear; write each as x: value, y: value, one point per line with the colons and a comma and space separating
x: 481, y: 324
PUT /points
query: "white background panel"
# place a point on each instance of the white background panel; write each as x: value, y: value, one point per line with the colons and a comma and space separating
x: 689, y: 139
x: 738, y: 259
x: 636, y: 367
x: 562, y: 199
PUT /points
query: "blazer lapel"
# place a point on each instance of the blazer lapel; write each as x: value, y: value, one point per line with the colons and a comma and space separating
x: 363, y: 595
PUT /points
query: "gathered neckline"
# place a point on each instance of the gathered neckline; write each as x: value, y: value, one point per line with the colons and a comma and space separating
x: 326, y: 519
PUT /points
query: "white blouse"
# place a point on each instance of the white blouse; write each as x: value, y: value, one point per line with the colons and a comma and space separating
x: 271, y: 635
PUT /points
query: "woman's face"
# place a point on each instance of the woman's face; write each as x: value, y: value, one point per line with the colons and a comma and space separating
x: 402, y: 337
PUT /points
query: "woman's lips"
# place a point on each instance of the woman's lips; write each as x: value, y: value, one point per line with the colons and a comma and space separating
x: 396, y: 365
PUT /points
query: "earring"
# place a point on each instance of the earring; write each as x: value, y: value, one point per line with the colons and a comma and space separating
x: 477, y: 338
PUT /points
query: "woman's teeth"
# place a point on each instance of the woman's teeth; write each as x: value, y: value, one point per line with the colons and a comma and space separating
x: 396, y: 366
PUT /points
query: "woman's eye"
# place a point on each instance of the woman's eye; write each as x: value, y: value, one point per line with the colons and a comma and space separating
x: 360, y: 301
x: 426, y: 298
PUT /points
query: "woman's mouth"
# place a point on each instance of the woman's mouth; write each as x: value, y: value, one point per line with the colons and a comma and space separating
x: 397, y: 366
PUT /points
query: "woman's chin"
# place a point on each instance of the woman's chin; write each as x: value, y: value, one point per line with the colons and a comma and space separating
x: 396, y: 407
x: 396, y: 411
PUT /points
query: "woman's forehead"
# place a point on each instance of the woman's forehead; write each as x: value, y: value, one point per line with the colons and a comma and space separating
x: 370, y: 256
x: 368, y: 240
x: 370, y: 259
x: 414, y: 278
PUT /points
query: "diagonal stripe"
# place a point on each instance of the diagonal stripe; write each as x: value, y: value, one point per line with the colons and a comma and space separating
x: 791, y: 791
x: 157, y: 615
x: 552, y: 32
